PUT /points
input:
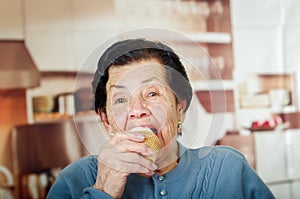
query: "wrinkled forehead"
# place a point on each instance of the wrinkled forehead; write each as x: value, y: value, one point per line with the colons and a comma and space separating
x: 136, y: 74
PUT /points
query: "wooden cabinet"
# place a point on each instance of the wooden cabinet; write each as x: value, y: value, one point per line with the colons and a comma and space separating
x: 13, y: 107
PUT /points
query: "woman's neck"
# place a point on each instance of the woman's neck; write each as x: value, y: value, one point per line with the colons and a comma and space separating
x: 167, y: 158
x: 166, y: 169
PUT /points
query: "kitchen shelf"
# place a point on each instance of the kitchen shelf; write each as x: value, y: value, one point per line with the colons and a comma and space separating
x: 202, y: 37
x: 212, y: 85
x: 210, y: 37
x: 275, y: 72
x: 216, y: 96
x: 65, y: 73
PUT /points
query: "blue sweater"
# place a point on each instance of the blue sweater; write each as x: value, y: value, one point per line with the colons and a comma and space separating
x: 207, y: 172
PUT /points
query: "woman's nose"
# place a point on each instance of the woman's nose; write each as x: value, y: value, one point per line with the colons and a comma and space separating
x: 138, y: 109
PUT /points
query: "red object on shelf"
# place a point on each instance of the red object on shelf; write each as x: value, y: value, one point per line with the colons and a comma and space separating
x: 266, y: 125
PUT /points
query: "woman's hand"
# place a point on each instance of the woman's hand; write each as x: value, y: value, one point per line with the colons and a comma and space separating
x: 124, y: 154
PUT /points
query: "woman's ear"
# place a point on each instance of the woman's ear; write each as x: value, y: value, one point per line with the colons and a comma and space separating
x: 104, y: 119
x: 181, y: 109
x: 182, y: 105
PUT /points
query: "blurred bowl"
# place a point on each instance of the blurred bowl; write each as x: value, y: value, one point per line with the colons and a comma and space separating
x: 43, y: 104
x: 279, y: 97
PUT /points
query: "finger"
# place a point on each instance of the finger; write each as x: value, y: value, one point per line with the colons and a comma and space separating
x: 127, y: 168
x: 113, y: 155
x: 131, y: 146
x: 135, y: 163
x: 124, y: 148
x: 120, y: 136
x: 135, y: 158
x: 127, y: 162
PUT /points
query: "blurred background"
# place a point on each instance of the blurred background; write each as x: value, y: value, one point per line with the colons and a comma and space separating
x: 251, y: 56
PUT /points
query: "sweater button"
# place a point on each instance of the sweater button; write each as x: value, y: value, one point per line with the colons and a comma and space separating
x: 163, y: 192
x: 161, y: 178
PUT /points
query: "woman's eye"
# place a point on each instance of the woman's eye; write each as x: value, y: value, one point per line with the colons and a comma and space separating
x: 152, y: 94
x: 120, y: 100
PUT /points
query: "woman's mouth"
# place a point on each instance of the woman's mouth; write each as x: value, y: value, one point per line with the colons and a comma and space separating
x: 151, y: 127
x: 155, y: 131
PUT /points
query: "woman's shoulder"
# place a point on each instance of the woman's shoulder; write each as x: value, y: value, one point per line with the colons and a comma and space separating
x: 228, y: 150
x: 86, y: 165
x: 217, y: 159
x: 74, y: 178
x: 216, y: 152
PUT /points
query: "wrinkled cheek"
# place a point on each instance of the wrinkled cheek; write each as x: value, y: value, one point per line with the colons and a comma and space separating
x: 118, y: 119
x: 159, y: 112
x: 166, y: 116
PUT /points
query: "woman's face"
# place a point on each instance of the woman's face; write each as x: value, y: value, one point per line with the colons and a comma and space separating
x: 138, y: 95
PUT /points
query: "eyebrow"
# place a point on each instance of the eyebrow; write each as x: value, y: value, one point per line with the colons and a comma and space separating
x: 116, y: 86
x: 123, y: 87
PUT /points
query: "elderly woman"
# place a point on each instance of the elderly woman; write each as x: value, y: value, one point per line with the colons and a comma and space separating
x: 141, y: 86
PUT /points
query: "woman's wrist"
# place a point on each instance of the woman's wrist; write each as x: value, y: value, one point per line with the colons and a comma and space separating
x: 113, y: 194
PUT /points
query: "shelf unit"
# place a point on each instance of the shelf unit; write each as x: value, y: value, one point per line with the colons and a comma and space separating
x: 253, y: 96
x: 212, y: 85
x: 210, y: 37
x: 218, y: 43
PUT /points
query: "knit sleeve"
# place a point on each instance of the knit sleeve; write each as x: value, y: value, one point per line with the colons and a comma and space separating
x: 91, y: 193
x: 76, y: 181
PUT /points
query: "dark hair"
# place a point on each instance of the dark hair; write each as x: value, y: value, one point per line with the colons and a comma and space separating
x: 134, y: 50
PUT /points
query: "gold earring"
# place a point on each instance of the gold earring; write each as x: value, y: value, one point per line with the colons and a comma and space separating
x: 179, y: 128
